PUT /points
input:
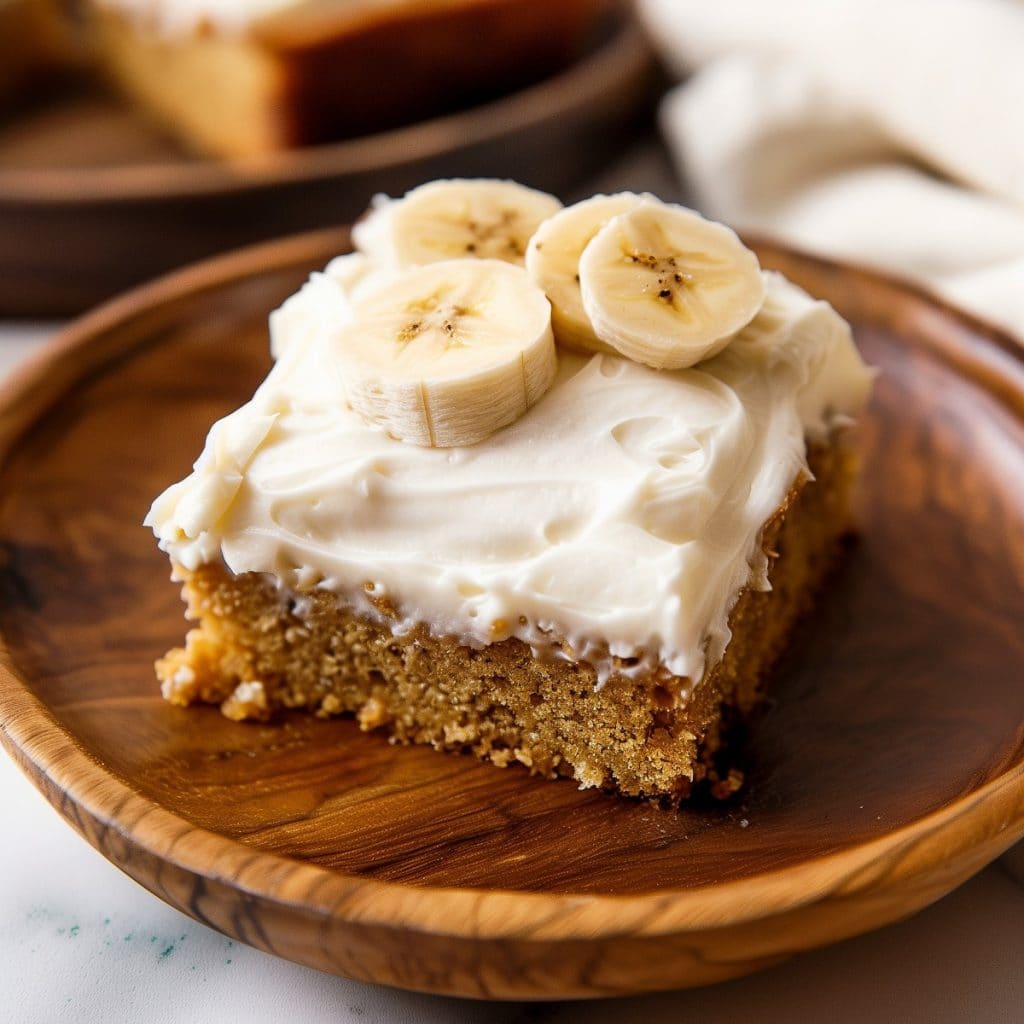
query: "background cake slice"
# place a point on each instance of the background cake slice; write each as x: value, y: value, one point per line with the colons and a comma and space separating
x: 235, y: 80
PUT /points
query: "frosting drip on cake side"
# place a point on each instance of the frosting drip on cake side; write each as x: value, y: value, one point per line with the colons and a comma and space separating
x: 619, y: 518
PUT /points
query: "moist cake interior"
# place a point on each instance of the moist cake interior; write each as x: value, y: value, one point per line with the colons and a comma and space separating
x: 253, y: 654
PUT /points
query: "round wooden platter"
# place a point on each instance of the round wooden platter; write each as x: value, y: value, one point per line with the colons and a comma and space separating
x: 887, y: 768
x: 93, y: 199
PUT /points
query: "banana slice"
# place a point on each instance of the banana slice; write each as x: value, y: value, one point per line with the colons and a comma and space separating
x: 444, y: 220
x: 666, y: 287
x: 445, y: 354
x: 553, y: 260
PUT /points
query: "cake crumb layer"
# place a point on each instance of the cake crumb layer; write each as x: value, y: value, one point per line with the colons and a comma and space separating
x: 649, y: 736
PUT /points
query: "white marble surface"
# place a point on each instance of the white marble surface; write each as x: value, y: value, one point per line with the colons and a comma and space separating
x: 81, y: 942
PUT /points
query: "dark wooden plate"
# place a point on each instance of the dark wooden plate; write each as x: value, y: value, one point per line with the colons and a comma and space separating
x: 888, y: 768
x: 93, y: 199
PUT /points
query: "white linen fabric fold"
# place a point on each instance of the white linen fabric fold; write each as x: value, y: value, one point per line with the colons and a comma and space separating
x: 885, y: 132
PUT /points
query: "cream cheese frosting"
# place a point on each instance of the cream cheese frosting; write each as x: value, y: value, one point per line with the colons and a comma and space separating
x: 619, y: 518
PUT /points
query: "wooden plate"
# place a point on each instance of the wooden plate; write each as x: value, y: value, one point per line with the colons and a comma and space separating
x: 93, y: 200
x: 888, y: 768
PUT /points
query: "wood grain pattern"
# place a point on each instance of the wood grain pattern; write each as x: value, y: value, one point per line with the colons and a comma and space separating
x: 888, y: 768
x: 93, y: 200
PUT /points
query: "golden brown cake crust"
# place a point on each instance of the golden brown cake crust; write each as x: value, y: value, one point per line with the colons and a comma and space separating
x: 253, y: 654
x: 324, y: 70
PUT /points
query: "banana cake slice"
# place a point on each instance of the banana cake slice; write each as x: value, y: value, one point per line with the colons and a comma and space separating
x: 469, y: 529
x: 244, y: 78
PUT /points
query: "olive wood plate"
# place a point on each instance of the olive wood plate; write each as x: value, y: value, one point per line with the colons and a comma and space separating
x: 888, y: 767
x: 94, y: 199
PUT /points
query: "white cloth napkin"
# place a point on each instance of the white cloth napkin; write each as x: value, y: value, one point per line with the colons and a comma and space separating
x: 884, y: 132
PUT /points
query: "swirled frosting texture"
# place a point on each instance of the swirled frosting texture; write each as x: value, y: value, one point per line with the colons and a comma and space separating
x: 619, y: 518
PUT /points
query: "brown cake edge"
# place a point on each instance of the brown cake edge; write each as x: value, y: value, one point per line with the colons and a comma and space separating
x: 254, y: 655
x: 320, y: 73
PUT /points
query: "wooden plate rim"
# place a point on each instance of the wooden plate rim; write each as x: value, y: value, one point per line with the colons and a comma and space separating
x: 625, y: 55
x: 66, y: 774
